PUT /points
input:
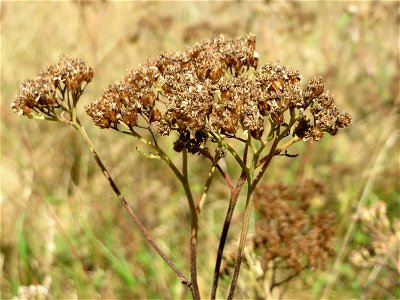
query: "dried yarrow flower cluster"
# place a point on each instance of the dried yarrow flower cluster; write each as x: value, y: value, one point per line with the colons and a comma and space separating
x: 287, y: 234
x: 287, y: 231
x: 47, y: 91
x: 210, y: 88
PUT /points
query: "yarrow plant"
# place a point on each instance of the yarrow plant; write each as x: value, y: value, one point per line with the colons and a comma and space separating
x: 216, y: 101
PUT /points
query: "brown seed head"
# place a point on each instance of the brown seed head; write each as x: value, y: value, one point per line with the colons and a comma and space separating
x: 287, y: 231
x: 45, y: 93
x: 207, y: 88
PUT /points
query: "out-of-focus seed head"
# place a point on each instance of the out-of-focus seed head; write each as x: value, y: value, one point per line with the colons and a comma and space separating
x: 288, y: 232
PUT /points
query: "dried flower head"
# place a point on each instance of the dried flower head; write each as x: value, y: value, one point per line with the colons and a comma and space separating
x: 379, y: 257
x: 287, y: 232
x: 385, y: 238
x: 210, y: 88
x: 288, y: 237
x: 41, y: 96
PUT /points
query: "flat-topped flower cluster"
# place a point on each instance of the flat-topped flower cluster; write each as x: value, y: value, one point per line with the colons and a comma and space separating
x: 216, y: 86
x: 45, y: 93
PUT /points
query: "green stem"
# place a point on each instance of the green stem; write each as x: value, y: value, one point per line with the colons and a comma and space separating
x: 228, y: 218
x: 235, y: 192
x: 206, y: 187
x: 193, y: 227
x: 249, y: 200
x: 265, y: 165
x: 266, y: 160
x: 242, y: 243
x: 160, y: 152
x: 232, y: 151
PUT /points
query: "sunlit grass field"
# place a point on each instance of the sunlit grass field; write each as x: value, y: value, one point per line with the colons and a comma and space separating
x: 63, y: 229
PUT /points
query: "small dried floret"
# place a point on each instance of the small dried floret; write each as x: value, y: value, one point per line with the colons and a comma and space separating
x: 280, y: 91
x: 343, y: 120
x: 315, y: 134
x: 314, y: 89
x: 192, y: 144
x: 325, y: 113
x: 155, y: 115
x: 73, y: 72
x: 303, y: 127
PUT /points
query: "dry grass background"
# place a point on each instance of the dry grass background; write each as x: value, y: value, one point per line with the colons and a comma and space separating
x: 60, y: 224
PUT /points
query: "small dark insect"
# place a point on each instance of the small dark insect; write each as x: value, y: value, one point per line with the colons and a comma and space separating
x: 288, y: 155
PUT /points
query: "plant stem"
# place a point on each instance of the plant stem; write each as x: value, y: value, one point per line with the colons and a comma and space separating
x: 273, y: 151
x: 287, y: 145
x: 242, y: 243
x: 193, y: 228
x: 232, y: 203
x: 265, y: 165
x: 222, y: 172
x: 246, y: 219
x: 160, y: 152
x: 206, y: 187
x: 132, y: 214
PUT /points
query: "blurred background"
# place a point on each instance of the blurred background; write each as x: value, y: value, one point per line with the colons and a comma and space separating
x: 63, y: 232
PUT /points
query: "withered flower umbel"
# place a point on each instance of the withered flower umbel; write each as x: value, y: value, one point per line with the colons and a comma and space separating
x: 287, y: 233
x: 209, y: 87
x: 42, y: 96
x: 289, y: 237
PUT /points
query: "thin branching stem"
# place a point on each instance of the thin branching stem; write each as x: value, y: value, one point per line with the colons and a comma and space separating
x: 193, y: 227
x: 252, y: 187
x: 266, y: 160
x: 160, y: 152
x: 228, y: 147
x: 242, y: 243
x: 131, y: 213
x: 225, y: 229
x: 285, y: 146
x: 224, y: 175
x: 209, y: 180
x: 246, y: 150
x: 246, y: 219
